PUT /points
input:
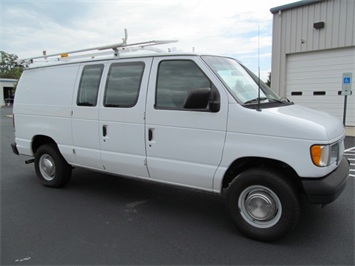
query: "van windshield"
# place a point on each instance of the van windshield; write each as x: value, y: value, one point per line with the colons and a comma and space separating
x: 240, y: 81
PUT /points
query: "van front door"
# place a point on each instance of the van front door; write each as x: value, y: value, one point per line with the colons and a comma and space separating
x: 184, y: 144
x: 121, y: 117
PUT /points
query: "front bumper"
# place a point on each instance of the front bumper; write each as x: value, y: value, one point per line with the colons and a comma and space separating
x: 326, y: 189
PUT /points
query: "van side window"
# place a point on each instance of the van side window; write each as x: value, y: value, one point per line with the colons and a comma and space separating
x: 175, y: 79
x: 89, y: 85
x: 123, y: 84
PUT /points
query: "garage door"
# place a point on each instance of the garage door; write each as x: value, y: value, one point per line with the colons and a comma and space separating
x: 315, y: 80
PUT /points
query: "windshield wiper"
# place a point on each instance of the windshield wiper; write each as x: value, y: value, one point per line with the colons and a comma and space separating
x: 256, y: 100
x: 282, y: 100
x: 276, y: 100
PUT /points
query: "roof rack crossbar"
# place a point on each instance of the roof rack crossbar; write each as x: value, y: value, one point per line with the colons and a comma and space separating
x: 115, y: 47
x: 102, y: 53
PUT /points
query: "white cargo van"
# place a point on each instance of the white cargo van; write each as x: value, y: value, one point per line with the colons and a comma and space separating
x: 197, y: 121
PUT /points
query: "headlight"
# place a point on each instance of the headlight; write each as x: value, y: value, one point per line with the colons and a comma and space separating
x: 325, y: 155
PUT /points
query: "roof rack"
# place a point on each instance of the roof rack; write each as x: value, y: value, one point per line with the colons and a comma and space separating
x: 117, y: 48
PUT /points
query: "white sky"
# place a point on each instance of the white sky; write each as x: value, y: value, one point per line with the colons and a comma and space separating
x: 224, y: 27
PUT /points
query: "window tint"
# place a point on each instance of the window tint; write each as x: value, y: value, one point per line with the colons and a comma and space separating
x: 175, y: 80
x: 123, y: 83
x: 89, y: 85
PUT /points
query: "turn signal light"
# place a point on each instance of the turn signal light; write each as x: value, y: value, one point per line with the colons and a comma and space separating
x: 325, y: 155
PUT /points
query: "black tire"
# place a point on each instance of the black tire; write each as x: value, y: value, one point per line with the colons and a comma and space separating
x: 263, y: 204
x: 51, y: 168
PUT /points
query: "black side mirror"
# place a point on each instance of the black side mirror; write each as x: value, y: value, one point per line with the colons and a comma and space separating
x: 201, y: 98
x: 197, y: 98
x: 214, y: 106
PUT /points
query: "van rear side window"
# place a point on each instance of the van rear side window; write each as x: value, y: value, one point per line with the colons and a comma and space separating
x: 123, y: 84
x: 89, y: 85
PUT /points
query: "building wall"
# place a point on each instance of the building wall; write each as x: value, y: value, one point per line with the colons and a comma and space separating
x: 314, y: 79
x: 4, y: 84
x: 293, y: 32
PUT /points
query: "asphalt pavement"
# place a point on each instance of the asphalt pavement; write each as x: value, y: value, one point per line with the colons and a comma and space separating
x: 100, y: 219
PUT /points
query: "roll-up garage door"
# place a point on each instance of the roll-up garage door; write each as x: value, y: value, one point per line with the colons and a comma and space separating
x: 314, y: 80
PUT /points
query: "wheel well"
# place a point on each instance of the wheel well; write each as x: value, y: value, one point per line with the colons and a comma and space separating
x: 40, y: 140
x: 243, y: 164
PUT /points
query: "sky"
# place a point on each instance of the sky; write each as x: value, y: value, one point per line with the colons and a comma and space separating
x: 233, y: 28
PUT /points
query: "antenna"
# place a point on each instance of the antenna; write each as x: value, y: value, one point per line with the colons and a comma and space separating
x: 259, y: 87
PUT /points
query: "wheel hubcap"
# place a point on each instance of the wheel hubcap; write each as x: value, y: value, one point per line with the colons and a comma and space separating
x: 260, y: 206
x: 47, y: 167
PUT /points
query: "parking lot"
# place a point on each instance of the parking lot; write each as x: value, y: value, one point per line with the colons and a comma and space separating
x: 102, y: 219
x: 350, y: 154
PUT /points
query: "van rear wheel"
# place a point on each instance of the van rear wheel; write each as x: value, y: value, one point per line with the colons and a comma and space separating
x: 263, y: 204
x: 51, y: 168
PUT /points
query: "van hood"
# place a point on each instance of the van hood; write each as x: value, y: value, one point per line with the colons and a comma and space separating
x: 292, y: 121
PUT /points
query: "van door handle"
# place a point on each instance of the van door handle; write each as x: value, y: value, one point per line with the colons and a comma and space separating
x: 104, y: 130
x: 150, y: 134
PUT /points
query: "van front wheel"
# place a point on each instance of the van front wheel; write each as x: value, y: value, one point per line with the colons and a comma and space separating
x: 51, y: 168
x: 263, y: 204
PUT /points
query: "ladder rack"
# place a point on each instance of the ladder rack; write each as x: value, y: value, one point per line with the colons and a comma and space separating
x: 117, y: 47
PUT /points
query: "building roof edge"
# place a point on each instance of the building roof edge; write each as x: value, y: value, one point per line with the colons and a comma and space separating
x: 293, y: 5
x: 7, y: 80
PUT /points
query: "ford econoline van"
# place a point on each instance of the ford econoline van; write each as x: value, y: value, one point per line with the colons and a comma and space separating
x: 197, y: 121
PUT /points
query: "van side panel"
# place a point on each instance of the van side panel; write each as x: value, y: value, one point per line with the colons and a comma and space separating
x: 184, y: 146
x: 122, y: 117
x: 85, y: 119
x: 43, y: 107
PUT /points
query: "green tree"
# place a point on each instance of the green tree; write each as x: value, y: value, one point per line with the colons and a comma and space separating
x: 8, y: 66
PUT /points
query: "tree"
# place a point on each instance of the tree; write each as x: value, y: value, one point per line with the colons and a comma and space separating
x: 8, y: 66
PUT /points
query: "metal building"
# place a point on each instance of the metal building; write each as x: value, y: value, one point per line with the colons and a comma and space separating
x: 313, y: 47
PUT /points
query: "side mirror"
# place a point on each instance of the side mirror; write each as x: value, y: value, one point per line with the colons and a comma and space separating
x: 197, y: 98
x: 215, y: 106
